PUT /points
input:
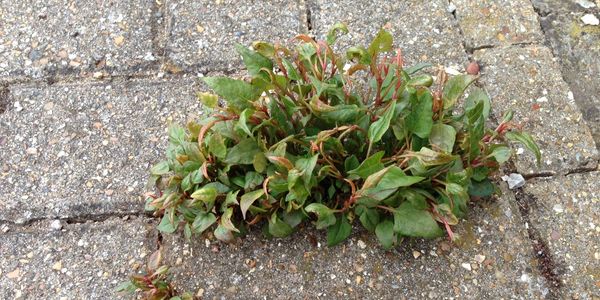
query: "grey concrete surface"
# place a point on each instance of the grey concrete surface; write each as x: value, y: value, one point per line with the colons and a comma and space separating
x: 80, y: 261
x: 577, y: 46
x: 497, y: 23
x: 41, y: 38
x: 70, y: 150
x: 566, y: 212
x: 201, y: 34
x: 528, y: 81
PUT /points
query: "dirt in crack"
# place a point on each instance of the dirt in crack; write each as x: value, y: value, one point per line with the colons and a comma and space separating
x: 4, y: 94
x: 546, y: 263
x: 308, y: 18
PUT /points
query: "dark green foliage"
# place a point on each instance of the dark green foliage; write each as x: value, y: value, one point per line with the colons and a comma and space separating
x: 336, y: 139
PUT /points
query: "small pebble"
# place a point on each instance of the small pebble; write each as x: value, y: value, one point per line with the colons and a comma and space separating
x: 416, y: 254
x: 361, y: 244
x: 590, y: 19
x: 479, y: 258
x: 473, y: 68
x: 56, y: 225
x: 466, y: 266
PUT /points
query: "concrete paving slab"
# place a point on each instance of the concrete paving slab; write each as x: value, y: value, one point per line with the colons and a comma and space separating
x: 528, y: 81
x: 70, y: 150
x: 81, y: 261
x: 492, y: 260
x: 202, y: 34
x: 41, y: 37
x: 578, y: 48
x: 566, y: 212
x: 424, y: 30
x: 495, y: 23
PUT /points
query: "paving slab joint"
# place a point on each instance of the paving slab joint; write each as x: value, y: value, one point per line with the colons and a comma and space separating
x: 80, y: 219
x: 4, y: 98
x: 547, y: 265
x: 468, y: 50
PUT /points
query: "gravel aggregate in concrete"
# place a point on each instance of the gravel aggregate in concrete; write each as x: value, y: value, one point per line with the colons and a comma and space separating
x: 202, y: 34
x: 70, y: 150
x: 528, y: 81
x: 81, y: 261
x: 52, y: 37
x: 577, y: 47
x: 497, y: 23
x: 566, y: 212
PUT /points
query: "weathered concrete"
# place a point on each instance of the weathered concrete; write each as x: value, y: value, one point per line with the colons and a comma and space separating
x: 492, y: 260
x: 566, y: 212
x: 497, y: 23
x: 578, y: 48
x: 202, y: 34
x: 70, y: 150
x: 81, y: 261
x: 41, y: 37
x: 528, y: 81
x: 424, y: 30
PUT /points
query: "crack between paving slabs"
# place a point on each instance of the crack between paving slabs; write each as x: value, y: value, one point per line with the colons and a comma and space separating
x: 546, y: 265
x: 81, y: 218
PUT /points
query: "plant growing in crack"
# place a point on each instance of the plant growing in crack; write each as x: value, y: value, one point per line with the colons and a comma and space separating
x: 337, y: 138
x: 155, y: 283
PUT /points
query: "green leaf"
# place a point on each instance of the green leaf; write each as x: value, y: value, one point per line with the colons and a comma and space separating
x: 420, y: 119
x: 259, y: 162
x: 385, y: 233
x: 252, y: 180
x: 203, y: 221
x: 369, y: 166
x: 126, y: 286
x: 243, y: 153
x: 369, y: 217
x: 379, y: 127
x: 249, y: 198
x: 332, y: 35
x: 527, y: 141
x: 216, y: 145
x: 416, y: 68
x: 351, y: 163
x: 306, y: 166
x: 477, y: 95
x: 242, y: 122
x: 454, y: 88
x: 166, y: 225
x: 501, y: 154
x: 339, y: 231
x: 278, y: 228
x: 226, y: 220
x: 381, y: 43
x: 208, y: 99
x: 482, y: 188
x: 160, y: 168
x: 237, y: 93
x: 325, y: 215
x: 443, y: 137
x: 223, y: 234
x: 420, y: 80
x: 176, y: 135
x: 291, y: 71
x: 205, y: 194
x: 254, y: 61
x: 395, y: 178
x: 409, y: 221
x: 342, y: 113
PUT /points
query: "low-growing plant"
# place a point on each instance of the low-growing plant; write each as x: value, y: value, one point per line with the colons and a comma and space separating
x: 155, y: 284
x: 337, y: 138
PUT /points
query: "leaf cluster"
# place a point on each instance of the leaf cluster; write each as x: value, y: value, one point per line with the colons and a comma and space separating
x: 334, y: 138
